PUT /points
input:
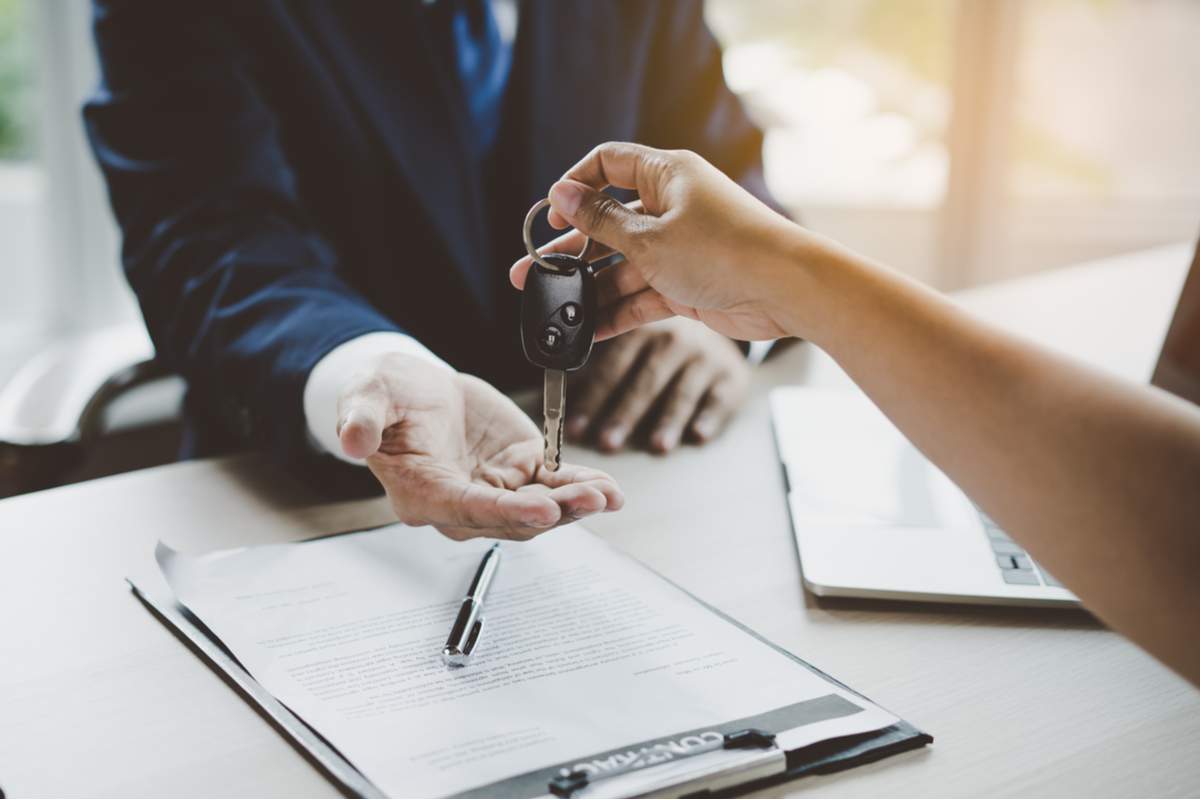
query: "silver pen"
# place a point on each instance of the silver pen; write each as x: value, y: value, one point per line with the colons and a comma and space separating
x: 464, y: 635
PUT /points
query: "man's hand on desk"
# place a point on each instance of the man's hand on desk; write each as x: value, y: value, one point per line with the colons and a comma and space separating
x: 674, y: 378
x: 453, y: 452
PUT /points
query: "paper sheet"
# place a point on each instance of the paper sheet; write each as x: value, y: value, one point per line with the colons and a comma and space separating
x: 584, y: 652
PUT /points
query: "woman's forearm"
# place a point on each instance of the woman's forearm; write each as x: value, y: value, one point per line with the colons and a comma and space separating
x: 1097, y: 477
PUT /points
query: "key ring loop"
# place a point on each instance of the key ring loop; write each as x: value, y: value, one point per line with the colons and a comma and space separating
x: 533, y: 253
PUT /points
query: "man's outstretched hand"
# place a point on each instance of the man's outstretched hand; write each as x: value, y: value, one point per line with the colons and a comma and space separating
x: 454, y: 453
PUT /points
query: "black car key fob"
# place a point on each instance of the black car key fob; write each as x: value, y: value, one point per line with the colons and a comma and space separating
x: 558, y: 313
x: 558, y: 325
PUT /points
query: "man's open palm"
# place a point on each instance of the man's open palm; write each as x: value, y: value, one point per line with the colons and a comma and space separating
x: 453, y: 452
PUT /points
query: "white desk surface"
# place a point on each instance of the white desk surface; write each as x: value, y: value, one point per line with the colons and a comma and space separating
x: 97, y: 698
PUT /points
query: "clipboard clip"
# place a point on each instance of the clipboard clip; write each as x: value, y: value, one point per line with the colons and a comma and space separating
x: 567, y: 782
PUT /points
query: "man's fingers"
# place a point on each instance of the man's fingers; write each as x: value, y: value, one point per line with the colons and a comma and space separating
x: 362, y: 415
x: 523, y: 514
x: 589, y: 393
x: 602, y: 482
x: 578, y: 500
x: 526, y: 510
x: 464, y: 504
x: 716, y: 408
x: 680, y: 404
x: 632, y: 312
x: 636, y: 396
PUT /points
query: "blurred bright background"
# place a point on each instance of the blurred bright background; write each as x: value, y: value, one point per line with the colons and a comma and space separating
x: 965, y: 141
x: 973, y: 140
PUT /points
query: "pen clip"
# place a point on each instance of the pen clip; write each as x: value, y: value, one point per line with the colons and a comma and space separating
x: 473, y: 638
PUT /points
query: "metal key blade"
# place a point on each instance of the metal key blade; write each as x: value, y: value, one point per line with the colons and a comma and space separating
x: 553, y: 399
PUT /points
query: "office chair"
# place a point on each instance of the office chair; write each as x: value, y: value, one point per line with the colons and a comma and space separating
x: 70, y: 412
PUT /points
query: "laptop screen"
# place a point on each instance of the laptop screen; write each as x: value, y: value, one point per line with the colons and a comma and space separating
x: 1178, y: 369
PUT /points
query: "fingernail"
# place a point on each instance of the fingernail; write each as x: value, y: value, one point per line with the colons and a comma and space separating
x: 577, y: 426
x: 565, y: 197
x: 704, y: 427
x: 540, y: 520
x: 613, y: 437
x: 665, y: 440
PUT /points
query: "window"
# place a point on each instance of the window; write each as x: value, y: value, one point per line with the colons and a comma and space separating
x: 59, y: 271
x: 971, y: 140
x: 21, y: 180
x: 1104, y: 154
x: 855, y: 99
x: 15, y: 136
x: 962, y: 140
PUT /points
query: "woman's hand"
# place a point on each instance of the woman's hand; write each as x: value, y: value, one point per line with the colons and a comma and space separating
x: 700, y: 246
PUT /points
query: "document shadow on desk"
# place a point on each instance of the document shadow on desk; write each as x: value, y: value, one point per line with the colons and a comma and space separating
x: 287, y: 735
x: 814, y: 777
x: 324, y: 480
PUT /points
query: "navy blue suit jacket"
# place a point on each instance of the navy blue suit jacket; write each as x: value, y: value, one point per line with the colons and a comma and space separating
x: 291, y: 174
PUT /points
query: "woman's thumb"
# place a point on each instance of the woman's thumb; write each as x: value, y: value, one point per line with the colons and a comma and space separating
x: 595, y: 214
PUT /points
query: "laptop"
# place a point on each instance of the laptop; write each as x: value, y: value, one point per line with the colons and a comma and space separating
x: 872, y: 517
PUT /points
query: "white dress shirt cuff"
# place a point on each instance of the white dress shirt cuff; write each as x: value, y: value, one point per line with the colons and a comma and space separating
x: 334, y: 371
x: 757, y: 351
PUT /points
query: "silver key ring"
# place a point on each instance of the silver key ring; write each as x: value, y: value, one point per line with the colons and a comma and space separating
x: 533, y: 253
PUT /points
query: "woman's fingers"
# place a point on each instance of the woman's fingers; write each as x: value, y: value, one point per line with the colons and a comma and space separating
x: 600, y: 216
x: 632, y: 312
x: 613, y: 164
x: 618, y: 281
x: 570, y: 242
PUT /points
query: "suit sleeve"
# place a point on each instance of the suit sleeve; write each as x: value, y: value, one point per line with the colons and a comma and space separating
x: 238, y: 289
x: 687, y: 105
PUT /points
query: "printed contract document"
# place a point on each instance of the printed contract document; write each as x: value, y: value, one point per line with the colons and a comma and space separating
x: 584, y: 654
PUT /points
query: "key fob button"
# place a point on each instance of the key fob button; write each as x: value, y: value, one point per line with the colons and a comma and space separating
x: 571, y: 314
x: 551, y: 339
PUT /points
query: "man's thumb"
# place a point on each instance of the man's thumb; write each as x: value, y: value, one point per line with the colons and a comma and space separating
x: 595, y: 214
x: 361, y: 427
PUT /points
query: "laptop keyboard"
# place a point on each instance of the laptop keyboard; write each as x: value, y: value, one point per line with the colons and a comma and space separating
x: 1015, y: 565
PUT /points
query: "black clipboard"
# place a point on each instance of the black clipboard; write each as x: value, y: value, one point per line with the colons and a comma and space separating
x: 828, y: 756
x: 831, y: 755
